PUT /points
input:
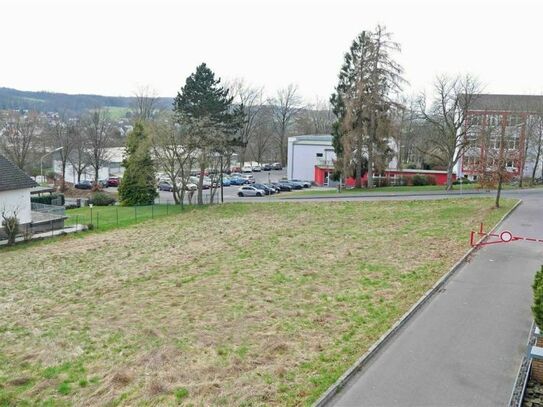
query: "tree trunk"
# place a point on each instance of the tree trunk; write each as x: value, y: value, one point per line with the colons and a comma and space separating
x: 370, y: 164
x: 450, y: 167
x: 62, y: 180
x: 499, y: 191
x: 523, y: 162
x: 201, y: 182
x: 537, y: 157
x: 358, y: 173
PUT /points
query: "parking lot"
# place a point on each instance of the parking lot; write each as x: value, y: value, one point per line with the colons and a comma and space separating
x: 230, y: 192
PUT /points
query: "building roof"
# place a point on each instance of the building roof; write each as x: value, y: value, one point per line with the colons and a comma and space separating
x: 508, y: 103
x: 312, y: 139
x: 12, y: 177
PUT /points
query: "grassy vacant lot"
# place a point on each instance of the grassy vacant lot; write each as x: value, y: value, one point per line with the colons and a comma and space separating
x: 236, y: 304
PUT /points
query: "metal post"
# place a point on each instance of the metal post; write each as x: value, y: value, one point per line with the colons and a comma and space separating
x: 97, y: 220
x: 52, y: 234
x: 167, y: 205
x: 91, y: 215
x: 76, y: 223
x: 135, y: 214
x: 117, y: 214
x: 152, y: 211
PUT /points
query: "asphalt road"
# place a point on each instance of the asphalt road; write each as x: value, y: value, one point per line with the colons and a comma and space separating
x: 464, y: 347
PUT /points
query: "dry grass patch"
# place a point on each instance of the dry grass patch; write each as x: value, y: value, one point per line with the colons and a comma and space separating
x: 233, y: 305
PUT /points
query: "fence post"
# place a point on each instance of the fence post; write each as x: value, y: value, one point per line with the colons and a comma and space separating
x: 167, y: 206
x: 117, y: 214
x: 52, y: 234
x: 77, y: 223
x: 91, y: 215
x: 135, y: 214
x: 152, y: 211
x: 97, y: 220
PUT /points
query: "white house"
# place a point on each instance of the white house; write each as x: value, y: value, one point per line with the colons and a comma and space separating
x: 307, y: 151
x: 15, y: 188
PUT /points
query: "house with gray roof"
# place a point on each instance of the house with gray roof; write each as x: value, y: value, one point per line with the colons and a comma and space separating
x: 15, y: 187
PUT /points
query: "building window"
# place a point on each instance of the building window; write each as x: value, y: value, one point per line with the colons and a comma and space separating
x: 494, y: 120
x: 474, y: 120
x: 514, y: 120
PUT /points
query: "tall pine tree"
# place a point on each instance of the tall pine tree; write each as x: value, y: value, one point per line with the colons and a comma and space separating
x: 138, y: 185
x: 205, y: 108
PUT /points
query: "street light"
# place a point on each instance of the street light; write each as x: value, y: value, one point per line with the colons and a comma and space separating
x: 45, y: 155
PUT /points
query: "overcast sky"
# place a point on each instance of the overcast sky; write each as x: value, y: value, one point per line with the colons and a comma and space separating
x: 112, y: 47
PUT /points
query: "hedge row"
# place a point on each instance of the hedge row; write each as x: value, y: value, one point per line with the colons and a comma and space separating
x: 52, y: 199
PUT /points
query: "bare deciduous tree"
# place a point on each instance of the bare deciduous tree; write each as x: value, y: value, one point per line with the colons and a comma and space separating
x: 317, y: 118
x: 448, y: 113
x: 78, y: 157
x: 285, y: 107
x: 17, y: 136
x: 62, y: 137
x: 145, y: 101
x: 98, y: 134
x: 250, y: 99
x: 174, y: 151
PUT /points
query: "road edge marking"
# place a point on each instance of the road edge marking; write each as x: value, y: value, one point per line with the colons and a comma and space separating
x: 376, y: 347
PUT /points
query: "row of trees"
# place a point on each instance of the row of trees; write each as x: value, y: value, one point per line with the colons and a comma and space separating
x: 376, y: 122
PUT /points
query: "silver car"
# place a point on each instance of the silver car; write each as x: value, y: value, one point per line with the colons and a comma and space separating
x: 247, y: 190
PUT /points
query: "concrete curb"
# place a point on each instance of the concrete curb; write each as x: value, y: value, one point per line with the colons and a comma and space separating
x: 381, y: 342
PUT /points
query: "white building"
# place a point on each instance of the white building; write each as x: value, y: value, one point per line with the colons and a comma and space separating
x: 15, y: 188
x: 112, y: 166
x: 307, y: 151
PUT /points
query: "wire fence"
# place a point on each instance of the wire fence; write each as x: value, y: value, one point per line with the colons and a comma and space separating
x: 107, y: 217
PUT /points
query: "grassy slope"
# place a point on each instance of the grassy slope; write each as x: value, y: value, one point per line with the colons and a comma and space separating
x: 234, y: 305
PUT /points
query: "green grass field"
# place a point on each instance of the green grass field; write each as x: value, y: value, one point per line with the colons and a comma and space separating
x: 110, y: 217
x: 234, y: 304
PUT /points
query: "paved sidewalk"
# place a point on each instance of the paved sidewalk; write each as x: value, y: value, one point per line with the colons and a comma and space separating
x: 464, y: 347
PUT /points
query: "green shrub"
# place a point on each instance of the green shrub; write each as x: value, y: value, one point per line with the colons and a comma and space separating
x: 49, y: 199
x: 431, y: 180
x: 102, y: 199
x: 419, y: 180
x: 537, y: 308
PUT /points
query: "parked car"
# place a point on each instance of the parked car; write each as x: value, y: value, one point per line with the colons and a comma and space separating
x: 264, y: 188
x: 305, y: 184
x: 238, y: 181
x: 300, y: 183
x: 277, y: 166
x: 292, y: 185
x: 190, y: 186
x: 83, y: 185
x: 257, y: 168
x: 234, y: 169
x: 235, y: 174
x: 249, y: 178
x: 246, y: 168
x: 226, y: 181
x: 165, y: 186
x: 102, y: 183
x: 249, y: 190
x: 274, y: 187
x: 113, y: 181
x: 266, y: 167
x: 282, y: 186
x: 206, y: 183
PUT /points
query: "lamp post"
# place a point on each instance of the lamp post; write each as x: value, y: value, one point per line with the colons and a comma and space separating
x: 45, y: 155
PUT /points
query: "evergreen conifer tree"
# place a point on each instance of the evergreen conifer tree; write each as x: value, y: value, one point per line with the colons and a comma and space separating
x: 138, y: 183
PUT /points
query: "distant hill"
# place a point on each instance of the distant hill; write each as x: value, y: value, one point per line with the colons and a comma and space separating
x: 62, y: 102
